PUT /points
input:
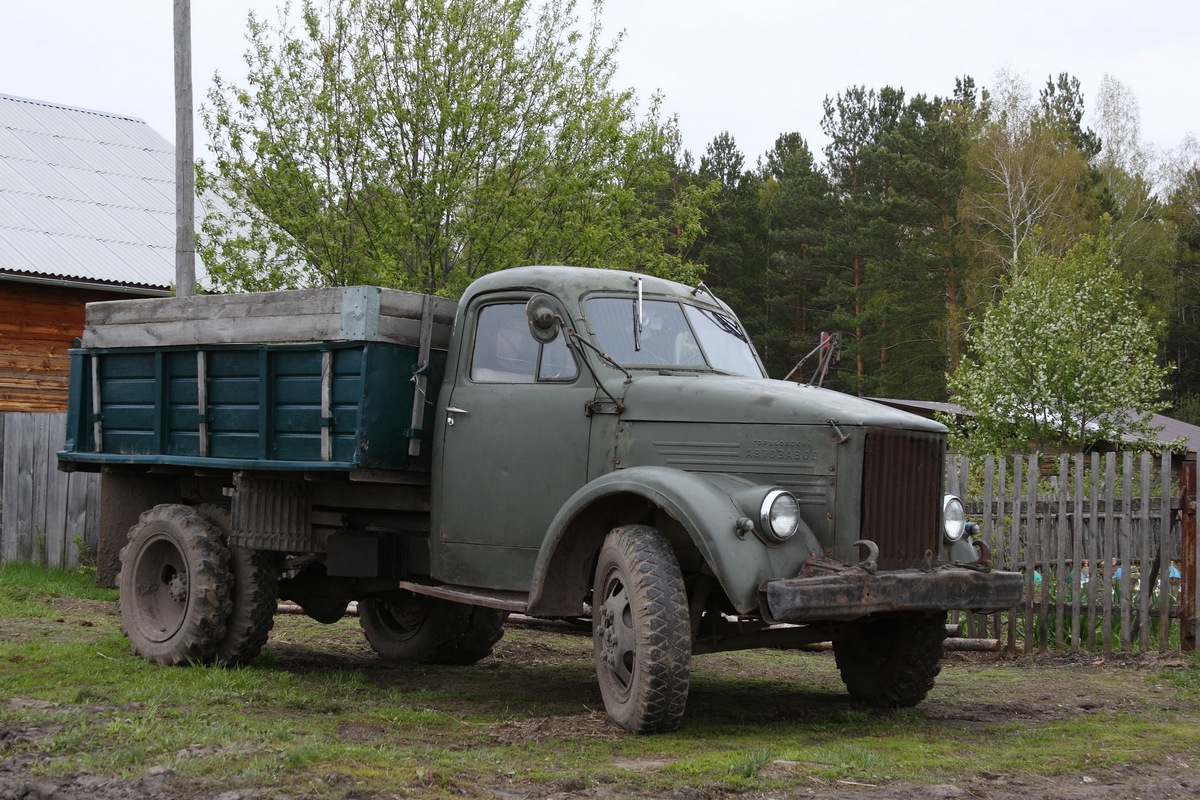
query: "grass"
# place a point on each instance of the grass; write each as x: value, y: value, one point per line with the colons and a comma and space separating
x: 317, y: 715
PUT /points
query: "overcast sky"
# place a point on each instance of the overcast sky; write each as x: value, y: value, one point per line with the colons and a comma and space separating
x: 756, y: 68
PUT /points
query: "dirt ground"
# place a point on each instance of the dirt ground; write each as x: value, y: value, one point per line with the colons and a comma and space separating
x: 1051, y: 688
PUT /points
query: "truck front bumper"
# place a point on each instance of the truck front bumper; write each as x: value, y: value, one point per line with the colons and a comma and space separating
x: 854, y: 593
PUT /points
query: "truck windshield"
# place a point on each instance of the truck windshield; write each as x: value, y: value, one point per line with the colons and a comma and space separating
x: 671, y: 334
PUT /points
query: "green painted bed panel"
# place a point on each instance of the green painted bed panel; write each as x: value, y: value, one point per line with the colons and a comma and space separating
x: 264, y: 406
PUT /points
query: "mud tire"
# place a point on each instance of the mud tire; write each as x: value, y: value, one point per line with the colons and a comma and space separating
x: 174, y: 587
x: 641, y: 631
x: 895, y: 661
x: 410, y: 627
x: 484, y: 629
x: 254, y: 594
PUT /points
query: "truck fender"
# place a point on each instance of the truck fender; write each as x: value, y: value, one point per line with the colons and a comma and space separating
x: 702, y: 506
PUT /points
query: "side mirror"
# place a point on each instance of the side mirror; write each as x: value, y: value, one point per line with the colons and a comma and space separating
x: 543, y: 320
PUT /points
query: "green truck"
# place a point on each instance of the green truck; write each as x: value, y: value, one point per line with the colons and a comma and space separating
x: 564, y: 443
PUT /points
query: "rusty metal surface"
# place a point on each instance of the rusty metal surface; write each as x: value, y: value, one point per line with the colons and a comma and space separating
x: 853, y: 593
x: 901, y: 495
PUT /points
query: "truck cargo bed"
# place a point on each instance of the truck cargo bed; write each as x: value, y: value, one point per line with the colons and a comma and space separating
x: 330, y: 385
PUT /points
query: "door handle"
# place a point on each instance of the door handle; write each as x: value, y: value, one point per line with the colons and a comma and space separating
x: 451, y: 411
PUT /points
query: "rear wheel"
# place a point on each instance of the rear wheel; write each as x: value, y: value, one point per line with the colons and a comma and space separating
x: 254, y: 595
x: 894, y: 662
x: 174, y: 586
x: 429, y: 630
x: 641, y: 631
x: 484, y: 629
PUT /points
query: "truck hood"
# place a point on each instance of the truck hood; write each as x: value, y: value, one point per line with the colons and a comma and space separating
x: 722, y: 398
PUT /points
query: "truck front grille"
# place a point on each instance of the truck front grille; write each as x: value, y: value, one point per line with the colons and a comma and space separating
x: 902, y: 492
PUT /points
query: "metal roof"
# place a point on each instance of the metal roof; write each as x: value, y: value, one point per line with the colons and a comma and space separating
x: 85, y: 196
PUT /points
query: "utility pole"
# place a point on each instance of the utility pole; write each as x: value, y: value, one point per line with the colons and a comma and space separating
x: 185, y: 168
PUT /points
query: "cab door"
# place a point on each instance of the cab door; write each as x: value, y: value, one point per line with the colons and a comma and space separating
x: 515, y: 448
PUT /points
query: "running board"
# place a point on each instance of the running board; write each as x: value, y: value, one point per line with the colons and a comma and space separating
x: 505, y: 601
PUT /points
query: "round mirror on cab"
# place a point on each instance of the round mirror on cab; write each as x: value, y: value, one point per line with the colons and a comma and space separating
x: 543, y: 319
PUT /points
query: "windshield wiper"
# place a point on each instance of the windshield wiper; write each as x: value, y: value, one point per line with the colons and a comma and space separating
x: 725, y: 323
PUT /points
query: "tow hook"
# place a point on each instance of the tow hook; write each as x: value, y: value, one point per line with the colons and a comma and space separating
x: 984, y: 562
x: 871, y: 562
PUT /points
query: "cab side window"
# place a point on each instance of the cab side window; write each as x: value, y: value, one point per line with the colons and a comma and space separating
x: 505, y: 352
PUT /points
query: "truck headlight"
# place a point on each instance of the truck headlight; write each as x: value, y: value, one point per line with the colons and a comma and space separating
x: 954, y: 518
x: 779, y: 515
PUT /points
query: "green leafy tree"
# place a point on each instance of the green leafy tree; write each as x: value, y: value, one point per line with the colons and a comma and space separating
x: 422, y: 143
x: 862, y: 238
x: 1061, y: 106
x: 797, y: 206
x: 891, y: 247
x: 1027, y: 186
x: 918, y: 293
x: 733, y: 245
x: 1128, y: 170
x: 1064, y: 360
x: 1183, y: 329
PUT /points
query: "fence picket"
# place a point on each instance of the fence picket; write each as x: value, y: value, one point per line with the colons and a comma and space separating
x: 1015, y: 554
x: 1125, y: 550
x: 1078, y: 554
x: 1059, y: 527
x: 1165, y: 552
x: 1032, y: 555
x: 1095, y: 563
x: 994, y: 534
x: 1144, y: 556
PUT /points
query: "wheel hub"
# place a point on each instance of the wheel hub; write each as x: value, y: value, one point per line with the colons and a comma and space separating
x: 608, y: 638
x: 177, y: 586
x: 617, y: 641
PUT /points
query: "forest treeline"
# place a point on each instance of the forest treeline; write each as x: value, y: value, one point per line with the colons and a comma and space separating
x: 902, y: 231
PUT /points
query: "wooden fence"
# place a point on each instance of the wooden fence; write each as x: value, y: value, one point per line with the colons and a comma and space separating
x: 1099, y: 540
x: 48, y: 517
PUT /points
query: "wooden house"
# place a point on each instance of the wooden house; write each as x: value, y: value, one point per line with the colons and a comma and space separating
x: 87, y: 213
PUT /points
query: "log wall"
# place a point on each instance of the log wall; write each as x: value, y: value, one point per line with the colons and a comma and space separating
x: 37, y: 326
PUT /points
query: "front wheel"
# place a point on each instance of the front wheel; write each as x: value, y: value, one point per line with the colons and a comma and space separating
x: 641, y: 631
x: 893, y: 662
x: 174, y: 586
